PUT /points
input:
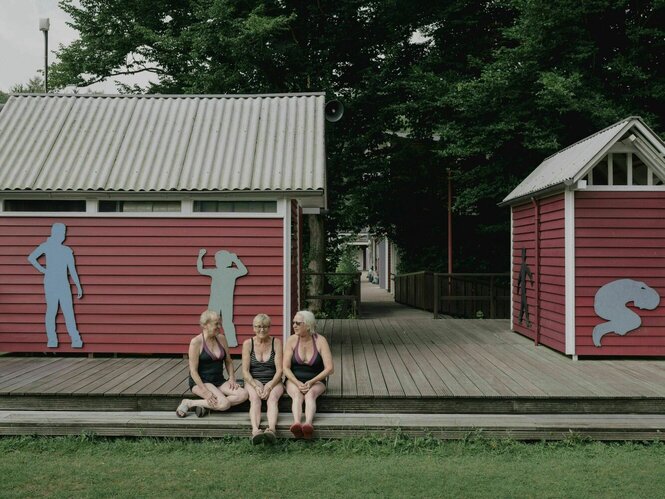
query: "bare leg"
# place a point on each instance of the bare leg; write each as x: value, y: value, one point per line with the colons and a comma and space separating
x: 254, y: 409
x: 202, y: 402
x: 273, y: 406
x: 234, y: 397
x: 296, y: 401
x: 310, y: 401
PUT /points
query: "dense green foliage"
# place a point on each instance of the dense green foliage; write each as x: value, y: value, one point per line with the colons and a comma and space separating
x: 485, y: 89
x: 390, y: 466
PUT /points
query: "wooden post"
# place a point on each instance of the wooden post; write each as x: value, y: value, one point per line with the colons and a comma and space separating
x: 492, y: 299
x: 436, y: 295
x: 358, y: 297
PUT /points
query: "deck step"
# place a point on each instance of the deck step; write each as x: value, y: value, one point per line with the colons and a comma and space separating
x: 441, y: 426
x: 382, y: 405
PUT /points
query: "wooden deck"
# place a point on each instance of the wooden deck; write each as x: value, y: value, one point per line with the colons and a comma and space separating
x: 381, y: 365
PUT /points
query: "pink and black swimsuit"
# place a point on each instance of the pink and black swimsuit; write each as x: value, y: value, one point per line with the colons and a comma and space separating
x: 304, y: 371
x: 211, y: 367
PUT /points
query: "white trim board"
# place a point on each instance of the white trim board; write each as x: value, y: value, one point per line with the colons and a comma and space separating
x: 569, y: 269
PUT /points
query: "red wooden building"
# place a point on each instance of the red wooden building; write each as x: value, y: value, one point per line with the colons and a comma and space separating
x: 141, y: 185
x: 588, y: 246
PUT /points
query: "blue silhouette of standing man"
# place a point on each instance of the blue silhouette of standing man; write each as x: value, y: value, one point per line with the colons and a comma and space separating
x: 57, y: 290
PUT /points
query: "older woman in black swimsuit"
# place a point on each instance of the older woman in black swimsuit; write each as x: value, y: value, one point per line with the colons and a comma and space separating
x: 208, y: 353
x: 262, y: 372
x: 307, y: 364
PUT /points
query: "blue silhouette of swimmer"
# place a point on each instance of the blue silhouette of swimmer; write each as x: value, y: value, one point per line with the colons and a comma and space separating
x: 57, y: 290
x: 222, y: 288
x: 610, y: 304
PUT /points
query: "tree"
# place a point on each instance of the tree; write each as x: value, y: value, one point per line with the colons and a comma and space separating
x: 35, y: 85
x: 552, y: 73
x: 353, y: 50
x: 486, y: 89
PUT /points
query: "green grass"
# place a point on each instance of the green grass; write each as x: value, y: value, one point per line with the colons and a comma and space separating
x: 389, y: 466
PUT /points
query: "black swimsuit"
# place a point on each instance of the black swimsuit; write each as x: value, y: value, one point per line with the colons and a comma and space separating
x: 211, y: 368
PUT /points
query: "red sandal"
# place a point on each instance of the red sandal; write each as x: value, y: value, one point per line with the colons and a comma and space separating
x: 307, y: 431
x: 296, y: 429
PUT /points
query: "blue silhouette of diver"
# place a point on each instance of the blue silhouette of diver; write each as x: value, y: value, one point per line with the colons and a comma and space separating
x: 57, y: 290
x: 222, y: 288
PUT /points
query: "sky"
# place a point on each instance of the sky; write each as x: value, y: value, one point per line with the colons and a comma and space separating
x: 22, y: 44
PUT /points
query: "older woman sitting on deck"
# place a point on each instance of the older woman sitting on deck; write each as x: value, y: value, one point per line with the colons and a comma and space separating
x: 307, y: 364
x: 262, y: 372
x: 208, y: 353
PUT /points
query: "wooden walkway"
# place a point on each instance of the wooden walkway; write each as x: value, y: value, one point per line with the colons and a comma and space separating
x: 381, y: 366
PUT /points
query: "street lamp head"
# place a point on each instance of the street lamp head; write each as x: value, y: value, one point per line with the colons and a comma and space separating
x: 44, y: 24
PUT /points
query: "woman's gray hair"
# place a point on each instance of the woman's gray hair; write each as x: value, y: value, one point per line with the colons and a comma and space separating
x: 309, y: 319
x: 208, y: 316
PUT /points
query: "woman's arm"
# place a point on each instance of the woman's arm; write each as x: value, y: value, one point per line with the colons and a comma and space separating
x: 278, y: 365
x: 228, y: 361
x: 326, y: 355
x: 246, y: 354
x: 194, y: 352
x: 286, y: 362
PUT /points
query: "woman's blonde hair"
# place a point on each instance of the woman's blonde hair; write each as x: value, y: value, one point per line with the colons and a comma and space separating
x: 309, y: 319
x: 264, y: 318
x: 209, y: 316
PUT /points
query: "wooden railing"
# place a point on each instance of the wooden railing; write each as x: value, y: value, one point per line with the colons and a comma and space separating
x: 458, y: 294
x: 336, y: 286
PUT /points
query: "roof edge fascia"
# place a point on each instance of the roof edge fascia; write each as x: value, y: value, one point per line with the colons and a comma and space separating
x: 604, y: 150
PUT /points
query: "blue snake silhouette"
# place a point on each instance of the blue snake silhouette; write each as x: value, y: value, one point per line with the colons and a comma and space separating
x: 610, y: 304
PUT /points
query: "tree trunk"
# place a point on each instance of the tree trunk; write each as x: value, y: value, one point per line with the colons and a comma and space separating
x: 317, y: 252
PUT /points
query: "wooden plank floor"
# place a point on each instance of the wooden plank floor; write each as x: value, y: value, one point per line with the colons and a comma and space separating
x: 381, y: 365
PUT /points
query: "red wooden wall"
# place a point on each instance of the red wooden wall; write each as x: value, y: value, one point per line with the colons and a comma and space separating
x: 619, y: 235
x: 548, y: 272
x: 142, y: 292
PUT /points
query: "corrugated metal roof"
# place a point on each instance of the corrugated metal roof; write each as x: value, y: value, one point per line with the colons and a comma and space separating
x: 563, y: 166
x: 51, y: 142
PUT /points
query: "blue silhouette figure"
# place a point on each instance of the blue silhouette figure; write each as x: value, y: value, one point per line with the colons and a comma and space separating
x: 57, y: 290
x: 222, y: 288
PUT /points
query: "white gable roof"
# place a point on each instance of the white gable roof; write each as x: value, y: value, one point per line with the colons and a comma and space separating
x: 159, y: 143
x: 572, y: 163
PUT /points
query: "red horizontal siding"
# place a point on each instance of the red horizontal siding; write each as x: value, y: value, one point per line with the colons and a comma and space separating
x: 142, y: 292
x: 619, y: 235
x: 549, y: 272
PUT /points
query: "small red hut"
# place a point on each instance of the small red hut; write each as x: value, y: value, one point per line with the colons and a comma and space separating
x: 588, y: 246
x: 122, y: 218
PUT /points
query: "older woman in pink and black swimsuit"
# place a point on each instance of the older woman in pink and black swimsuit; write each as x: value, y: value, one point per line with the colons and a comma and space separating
x: 307, y: 364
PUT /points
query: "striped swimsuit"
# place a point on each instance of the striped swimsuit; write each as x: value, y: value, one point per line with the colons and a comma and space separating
x: 262, y: 371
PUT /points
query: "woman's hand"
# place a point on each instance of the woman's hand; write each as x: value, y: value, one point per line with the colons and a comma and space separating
x: 304, y: 387
x: 233, y: 385
x: 265, y: 392
x: 258, y: 386
x: 210, y: 397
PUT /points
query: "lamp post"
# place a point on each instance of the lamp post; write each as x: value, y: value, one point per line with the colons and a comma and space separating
x: 450, y: 222
x: 44, y: 25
